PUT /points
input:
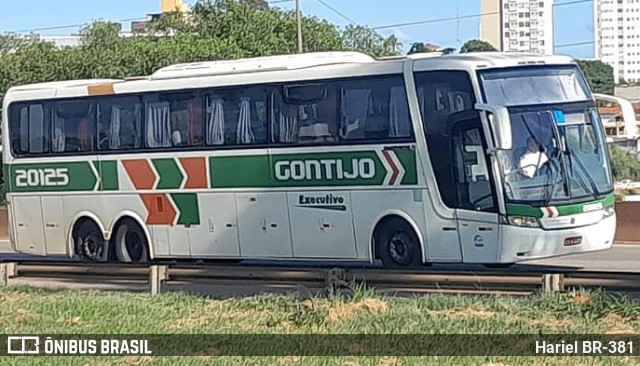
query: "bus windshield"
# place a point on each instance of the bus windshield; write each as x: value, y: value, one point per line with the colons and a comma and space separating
x: 559, y: 153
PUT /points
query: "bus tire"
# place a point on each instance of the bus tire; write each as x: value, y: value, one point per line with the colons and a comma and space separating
x: 397, y: 244
x: 130, y: 242
x: 89, y: 242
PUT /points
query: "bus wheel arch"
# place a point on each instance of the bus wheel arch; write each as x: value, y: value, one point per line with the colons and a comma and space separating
x: 130, y: 240
x: 396, y: 242
x: 87, y: 239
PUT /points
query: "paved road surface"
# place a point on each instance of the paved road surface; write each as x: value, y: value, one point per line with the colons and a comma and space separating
x: 619, y: 258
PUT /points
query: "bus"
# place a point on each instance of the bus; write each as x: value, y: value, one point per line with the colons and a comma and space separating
x: 488, y: 158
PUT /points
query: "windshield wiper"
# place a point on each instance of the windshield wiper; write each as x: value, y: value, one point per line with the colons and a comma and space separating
x: 592, y: 183
x: 561, y: 153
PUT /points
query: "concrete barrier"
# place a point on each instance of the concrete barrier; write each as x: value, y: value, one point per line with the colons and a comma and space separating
x: 628, y: 214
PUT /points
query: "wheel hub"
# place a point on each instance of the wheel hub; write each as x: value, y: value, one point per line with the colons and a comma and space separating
x: 399, y: 248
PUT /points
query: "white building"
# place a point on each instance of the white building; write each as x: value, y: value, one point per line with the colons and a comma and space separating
x: 617, y: 37
x: 518, y: 25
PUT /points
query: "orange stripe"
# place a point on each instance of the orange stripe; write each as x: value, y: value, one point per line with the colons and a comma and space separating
x: 101, y: 89
x: 140, y: 173
x: 196, y: 169
x: 160, y: 209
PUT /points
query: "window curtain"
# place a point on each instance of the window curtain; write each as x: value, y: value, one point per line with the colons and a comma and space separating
x: 114, y: 128
x: 158, y: 125
x: 244, y: 135
x: 398, y: 113
x: 355, y: 104
x: 215, y: 122
x: 59, y: 136
x: 288, y: 123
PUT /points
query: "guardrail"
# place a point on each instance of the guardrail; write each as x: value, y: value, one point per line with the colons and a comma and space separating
x: 335, y: 279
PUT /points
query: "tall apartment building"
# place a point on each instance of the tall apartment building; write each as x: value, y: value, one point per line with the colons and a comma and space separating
x: 518, y: 25
x: 617, y: 37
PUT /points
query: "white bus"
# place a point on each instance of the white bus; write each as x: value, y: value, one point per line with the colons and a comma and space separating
x: 478, y: 158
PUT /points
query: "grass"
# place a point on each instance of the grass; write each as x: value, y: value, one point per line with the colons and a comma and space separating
x: 25, y: 310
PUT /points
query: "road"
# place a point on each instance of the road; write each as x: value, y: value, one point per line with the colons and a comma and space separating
x: 619, y: 258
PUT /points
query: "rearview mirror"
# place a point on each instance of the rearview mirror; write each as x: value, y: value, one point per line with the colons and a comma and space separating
x: 499, y: 124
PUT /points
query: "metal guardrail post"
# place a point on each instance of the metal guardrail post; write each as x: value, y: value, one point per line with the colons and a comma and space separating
x: 157, y: 275
x: 552, y: 282
x: 7, y: 270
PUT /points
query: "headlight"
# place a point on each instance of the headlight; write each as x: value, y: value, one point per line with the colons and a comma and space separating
x: 608, y: 212
x: 522, y: 221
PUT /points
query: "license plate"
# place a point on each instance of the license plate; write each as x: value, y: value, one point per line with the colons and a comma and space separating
x: 574, y: 240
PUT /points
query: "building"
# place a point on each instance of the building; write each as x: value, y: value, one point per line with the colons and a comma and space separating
x: 166, y: 6
x: 518, y: 25
x: 617, y: 37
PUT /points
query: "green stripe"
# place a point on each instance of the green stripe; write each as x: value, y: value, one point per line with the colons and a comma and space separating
x: 108, y: 172
x: 188, y: 210
x: 516, y: 209
x: 340, y: 168
x: 563, y: 210
x: 407, y: 158
x: 239, y: 171
x: 52, y: 177
x: 169, y: 172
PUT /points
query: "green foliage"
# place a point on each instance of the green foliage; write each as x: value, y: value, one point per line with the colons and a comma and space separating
x: 477, y: 45
x: 360, y: 38
x: 213, y: 30
x: 623, y: 165
x: 599, y: 76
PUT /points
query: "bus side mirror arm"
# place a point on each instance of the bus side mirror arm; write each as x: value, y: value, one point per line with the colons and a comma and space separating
x: 499, y: 124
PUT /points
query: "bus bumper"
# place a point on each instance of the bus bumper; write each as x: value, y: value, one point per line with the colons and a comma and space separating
x: 522, y: 244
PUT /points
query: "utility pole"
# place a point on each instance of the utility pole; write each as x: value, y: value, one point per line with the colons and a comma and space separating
x: 299, y: 21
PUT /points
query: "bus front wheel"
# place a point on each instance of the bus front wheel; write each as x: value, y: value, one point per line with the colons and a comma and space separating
x: 397, y: 244
x: 131, y: 243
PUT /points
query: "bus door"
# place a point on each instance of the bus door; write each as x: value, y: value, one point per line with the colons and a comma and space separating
x: 476, y: 208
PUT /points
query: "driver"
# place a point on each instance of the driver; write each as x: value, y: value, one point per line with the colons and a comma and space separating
x: 532, y: 159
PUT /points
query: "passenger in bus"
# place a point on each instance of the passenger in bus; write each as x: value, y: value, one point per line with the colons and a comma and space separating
x: 85, y: 135
x: 533, y: 159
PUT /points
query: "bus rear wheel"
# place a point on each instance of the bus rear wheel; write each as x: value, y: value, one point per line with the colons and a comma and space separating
x: 130, y: 242
x: 398, y: 245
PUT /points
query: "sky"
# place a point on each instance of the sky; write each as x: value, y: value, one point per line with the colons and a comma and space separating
x: 573, y: 22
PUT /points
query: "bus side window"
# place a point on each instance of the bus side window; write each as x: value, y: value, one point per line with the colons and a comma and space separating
x: 474, y: 190
x: 119, y: 123
x: 29, y: 129
x: 443, y: 94
x: 74, y: 126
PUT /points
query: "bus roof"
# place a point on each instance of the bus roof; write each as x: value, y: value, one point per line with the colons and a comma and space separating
x: 304, y: 61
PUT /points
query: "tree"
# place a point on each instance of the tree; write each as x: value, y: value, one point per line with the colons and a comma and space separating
x: 599, y: 76
x: 212, y: 30
x: 623, y: 165
x: 477, y: 45
x: 361, y: 38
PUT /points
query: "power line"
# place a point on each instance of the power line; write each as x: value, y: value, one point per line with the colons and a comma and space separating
x: 337, y: 12
x: 574, y: 44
